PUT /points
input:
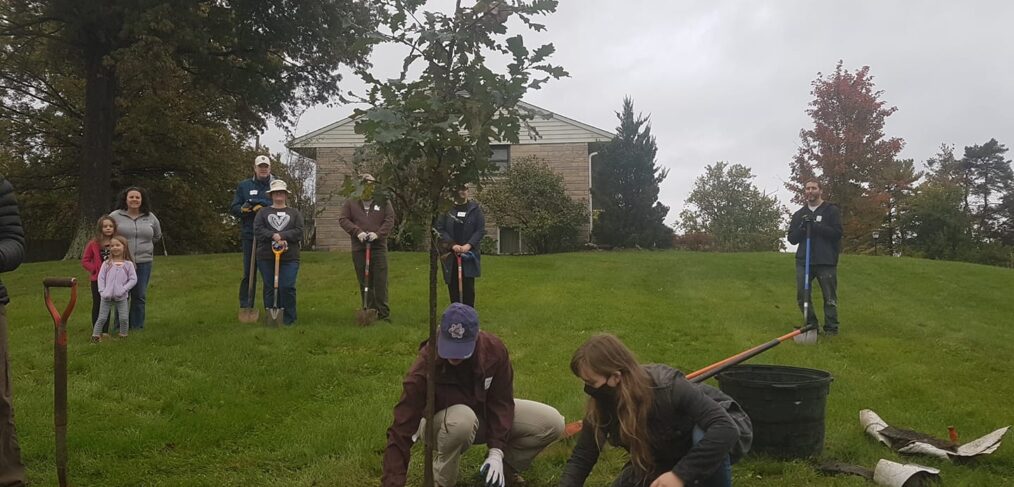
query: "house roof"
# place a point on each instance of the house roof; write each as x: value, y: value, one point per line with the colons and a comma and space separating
x: 552, y: 128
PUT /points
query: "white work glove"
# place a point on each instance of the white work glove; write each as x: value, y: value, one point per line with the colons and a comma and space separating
x: 373, y: 236
x: 492, y: 469
x: 363, y: 236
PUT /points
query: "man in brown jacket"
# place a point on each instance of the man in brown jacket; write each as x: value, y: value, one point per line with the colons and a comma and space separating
x: 367, y: 220
x: 475, y: 404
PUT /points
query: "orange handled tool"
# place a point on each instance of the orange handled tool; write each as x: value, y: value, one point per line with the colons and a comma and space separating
x: 60, y: 368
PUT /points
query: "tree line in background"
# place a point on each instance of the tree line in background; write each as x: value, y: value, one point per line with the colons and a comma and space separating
x: 98, y: 96
x: 95, y: 97
x: 955, y: 209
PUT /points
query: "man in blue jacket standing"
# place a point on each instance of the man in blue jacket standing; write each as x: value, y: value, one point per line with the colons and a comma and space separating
x: 824, y: 222
x: 251, y: 196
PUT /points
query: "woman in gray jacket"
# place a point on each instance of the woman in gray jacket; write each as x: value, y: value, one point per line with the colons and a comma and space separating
x: 677, y: 433
x: 136, y: 223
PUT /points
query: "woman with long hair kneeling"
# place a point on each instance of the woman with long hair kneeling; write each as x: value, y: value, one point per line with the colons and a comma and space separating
x: 677, y: 432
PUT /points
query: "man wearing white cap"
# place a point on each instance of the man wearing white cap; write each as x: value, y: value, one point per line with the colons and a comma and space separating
x: 475, y: 404
x: 369, y: 220
x: 251, y: 196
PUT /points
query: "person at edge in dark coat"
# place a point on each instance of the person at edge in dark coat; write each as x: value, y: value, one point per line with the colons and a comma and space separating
x: 12, y: 252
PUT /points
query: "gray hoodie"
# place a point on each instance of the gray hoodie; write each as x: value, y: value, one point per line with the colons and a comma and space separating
x: 141, y: 234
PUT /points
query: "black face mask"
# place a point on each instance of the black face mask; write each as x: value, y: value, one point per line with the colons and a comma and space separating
x: 605, y: 392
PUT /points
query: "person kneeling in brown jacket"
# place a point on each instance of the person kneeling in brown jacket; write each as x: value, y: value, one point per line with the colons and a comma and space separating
x: 475, y: 404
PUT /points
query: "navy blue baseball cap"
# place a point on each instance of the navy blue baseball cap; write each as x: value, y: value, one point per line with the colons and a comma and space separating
x: 459, y: 328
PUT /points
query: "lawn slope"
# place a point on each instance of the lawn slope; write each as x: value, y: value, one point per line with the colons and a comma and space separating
x: 199, y: 399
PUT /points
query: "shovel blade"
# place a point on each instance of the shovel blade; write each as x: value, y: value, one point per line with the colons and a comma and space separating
x: 275, y: 316
x: 366, y: 317
x: 249, y: 315
x: 806, y: 338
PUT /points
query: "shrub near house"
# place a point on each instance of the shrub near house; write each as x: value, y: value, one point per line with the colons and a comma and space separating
x: 532, y: 199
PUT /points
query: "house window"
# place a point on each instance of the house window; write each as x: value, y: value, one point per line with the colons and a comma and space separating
x: 509, y: 241
x: 501, y: 156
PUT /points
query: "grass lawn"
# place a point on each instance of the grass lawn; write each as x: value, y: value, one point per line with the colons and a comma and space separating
x: 199, y: 399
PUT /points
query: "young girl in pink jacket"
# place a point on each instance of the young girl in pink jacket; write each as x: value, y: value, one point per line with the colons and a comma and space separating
x: 116, y: 277
x: 95, y: 253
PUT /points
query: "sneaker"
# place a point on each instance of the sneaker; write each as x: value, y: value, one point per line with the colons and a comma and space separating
x: 830, y: 332
x: 96, y: 339
x: 105, y: 335
x: 122, y: 335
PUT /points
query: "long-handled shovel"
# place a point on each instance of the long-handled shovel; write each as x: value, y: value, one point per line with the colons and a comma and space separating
x: 60, y: 368
x: 461, y: 292
x: 251, y: 314
x: 276, y: 312
x: 710, y: 371
x: 810, y: 337
x: 366, y: 315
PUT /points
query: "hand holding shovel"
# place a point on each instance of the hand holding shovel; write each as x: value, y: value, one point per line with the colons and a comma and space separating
x: 275, y: 312
x: 366, y: 316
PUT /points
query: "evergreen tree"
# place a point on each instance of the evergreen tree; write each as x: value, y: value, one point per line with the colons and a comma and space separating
x: 625, y: 179
x: 892, y: 189
x: 990, y: 178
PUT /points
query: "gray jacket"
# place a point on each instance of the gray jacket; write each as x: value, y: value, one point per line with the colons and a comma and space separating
x: 141, y: 234
x: 678, y: 407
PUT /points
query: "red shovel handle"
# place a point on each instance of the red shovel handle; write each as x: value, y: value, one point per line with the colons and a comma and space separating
x: 70, y: 282
x: 461, y: 289
x: 60, y: 369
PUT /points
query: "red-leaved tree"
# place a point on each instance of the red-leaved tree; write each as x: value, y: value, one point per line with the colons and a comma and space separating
x: 847, y: 150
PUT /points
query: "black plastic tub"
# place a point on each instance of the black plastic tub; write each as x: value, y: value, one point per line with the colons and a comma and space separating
x: 785, y: 404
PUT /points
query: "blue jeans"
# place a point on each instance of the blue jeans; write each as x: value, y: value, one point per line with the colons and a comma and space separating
x: 827, y: 278
x: 287, y: 272
x: 246, y: 299
x: 721, y: 478
x: 139, y: 294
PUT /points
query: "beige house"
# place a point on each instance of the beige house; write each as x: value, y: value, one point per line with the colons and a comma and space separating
x: 562, y: 142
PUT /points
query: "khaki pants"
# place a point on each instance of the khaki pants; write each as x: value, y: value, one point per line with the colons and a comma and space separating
x: 12, y: 471
x: 536, y: 425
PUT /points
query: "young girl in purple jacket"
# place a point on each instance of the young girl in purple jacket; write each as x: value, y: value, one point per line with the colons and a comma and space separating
x: 116, y: 277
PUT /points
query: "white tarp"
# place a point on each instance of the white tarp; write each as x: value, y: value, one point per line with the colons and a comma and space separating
x: 892, y: 474
x: 873, y: 424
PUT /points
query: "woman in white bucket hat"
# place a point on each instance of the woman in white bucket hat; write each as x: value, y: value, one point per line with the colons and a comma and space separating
x: 279, y: 226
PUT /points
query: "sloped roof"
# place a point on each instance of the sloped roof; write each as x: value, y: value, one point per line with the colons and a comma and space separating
x: 552, y: 128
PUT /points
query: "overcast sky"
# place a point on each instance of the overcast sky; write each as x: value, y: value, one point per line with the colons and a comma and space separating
x: 730, y: 80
